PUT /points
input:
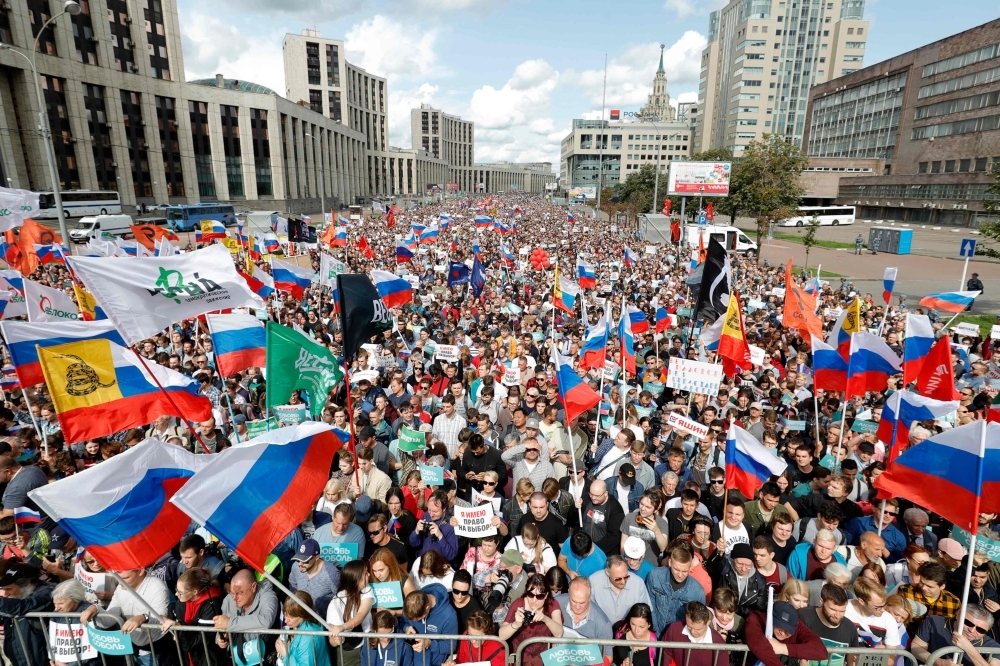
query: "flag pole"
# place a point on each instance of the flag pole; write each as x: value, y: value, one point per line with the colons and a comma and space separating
x: 170, y: 398
x: 350, y: 422
x: 889, y: 456
x: 973, y: 529
x: 229, y: 402
x: 152, y: 611
x: 291, y: 595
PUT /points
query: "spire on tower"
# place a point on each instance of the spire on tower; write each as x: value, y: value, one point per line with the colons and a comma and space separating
x: 660, y: 68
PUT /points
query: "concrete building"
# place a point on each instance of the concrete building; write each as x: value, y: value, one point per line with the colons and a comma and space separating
x: 511, y: 176
x: 762, y: 58
x: 123, y: 118
x: 443, y: 136
x: 930, y: 115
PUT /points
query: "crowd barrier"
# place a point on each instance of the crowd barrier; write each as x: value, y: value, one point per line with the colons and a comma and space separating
x: 948, y: 652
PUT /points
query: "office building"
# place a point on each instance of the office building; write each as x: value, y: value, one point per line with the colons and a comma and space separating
x: 443, y: 136
x: 762, y: 58
x: 123, y: 118
x: 930, y: 115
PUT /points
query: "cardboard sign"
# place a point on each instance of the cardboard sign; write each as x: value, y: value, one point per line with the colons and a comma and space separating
x: 511, y: 377
x: 338, y: 553
x: 756, y: 304
x: 794, y: 426
x: 290, y: 414
x: 411, y: 440
x: 69, y: 641
x: 431, y: 475
x: 966, y: 329
x: 864, y: 427
x: 109, y: 642
x: 685, y: 424
x: 573, y: 655
x: 756, y: 355
x: 694, y: 376
x: 388, y: 595
x: 474, y: 522
x: 255, y: 428
x: 987, y: 547
x: 478, y: 499
x: 447, y: 353
x: 611, y: 371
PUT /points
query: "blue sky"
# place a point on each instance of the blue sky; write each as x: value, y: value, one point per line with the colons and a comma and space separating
x: 521, y: 69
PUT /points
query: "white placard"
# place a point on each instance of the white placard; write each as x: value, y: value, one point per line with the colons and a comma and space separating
x: 440, y: 268
x: 756, y: 355
x: 832, y: 312
x: 447, y: 353
x: 687, y: 425
x: 478, y: 498
x: 474, y: 522
x: 995, y: 332
x: 610, y: 371
x: 92, y: 582
x: 695, y: 376
x: 651, y: 249
x: 66, y: 641
x: 778, y: 291
x: 511, y: 377
x: 966, y: 329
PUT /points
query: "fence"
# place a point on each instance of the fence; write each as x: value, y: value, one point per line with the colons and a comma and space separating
x: 946, y: 655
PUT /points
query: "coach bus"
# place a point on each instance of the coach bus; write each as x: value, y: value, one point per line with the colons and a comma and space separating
x: 186, y: 218
x: 78, y: 203
x: 828, y: 216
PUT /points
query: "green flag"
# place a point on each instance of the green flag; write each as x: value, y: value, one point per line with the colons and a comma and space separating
x: 296, y: 362
x: 411, y: 440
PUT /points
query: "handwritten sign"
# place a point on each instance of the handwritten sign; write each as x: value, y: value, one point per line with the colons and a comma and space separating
x: 388, y: 595
x: 778, y: 291
x: 478, y: 498
x: 338, y: 553
x: 92, y: 582
x: 573, y: 655
x: 995, y: 332
x: 411, y: 440
x: 511, y: 377
x: 966, y: 329
x: 386, y: 361
x: 431, y: 475
x: 685, y: 312
x: 696, y: 376
x: 474, y: 522
x: 68, y: 641
x: 447, y: 353
x: 756, y: 355
x: 610, y: 371
x: 687, y: 425
x: 987, y: 547
x: 109, y: 642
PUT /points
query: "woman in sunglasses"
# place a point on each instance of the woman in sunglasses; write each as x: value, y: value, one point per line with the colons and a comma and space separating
x: 534, y: 614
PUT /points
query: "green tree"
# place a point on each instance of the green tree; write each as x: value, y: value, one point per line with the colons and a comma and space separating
x: 990, y: 230
x: 810, y: 238
x: 765, y: 181
x: 722, y: 205
x: 638, y: 188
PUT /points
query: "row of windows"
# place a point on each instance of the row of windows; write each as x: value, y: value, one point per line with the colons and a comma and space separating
x: 644, y: 158
x: 983, y: 124
x: 961, y: 60
x: 961, y: 83
x: 958, y: 105
x: 965, y: 165
x: 960, y: 191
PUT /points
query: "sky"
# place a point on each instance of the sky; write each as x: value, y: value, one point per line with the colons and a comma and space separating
x: 521, y: 69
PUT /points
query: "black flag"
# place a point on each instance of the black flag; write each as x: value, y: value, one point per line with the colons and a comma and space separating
x: 713, y: 294
x: 362, y: 312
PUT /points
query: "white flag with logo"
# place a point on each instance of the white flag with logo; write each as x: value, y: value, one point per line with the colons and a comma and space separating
x: 48, y: 304
x: 329, y: 269
x: 11, y: 280
x: 142, y: 298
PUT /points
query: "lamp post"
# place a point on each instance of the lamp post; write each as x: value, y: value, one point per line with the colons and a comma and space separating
x: 72, y: 8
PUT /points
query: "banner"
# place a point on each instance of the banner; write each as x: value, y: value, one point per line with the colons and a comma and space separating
x: 110, y: 642
x: 329, y: 269
x: 362, y: 311
x: 69, y: 641
x: 296, y: 362
x: 431, y: 475
x: 447, y: 353
x: 474, y: 522
x: 388, y: 595
x: 289, y: 414
x: 694, y: 376
x: 687, y: 425
x: 255, y: 428
x: 411, y: 440
x: 988, y: 547
x: 48, y: 304
x: 573, y: 655
x: 144, y: 297
x: 338, y: 553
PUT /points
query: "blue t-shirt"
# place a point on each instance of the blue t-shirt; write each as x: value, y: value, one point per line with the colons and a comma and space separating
x: 584, y: 566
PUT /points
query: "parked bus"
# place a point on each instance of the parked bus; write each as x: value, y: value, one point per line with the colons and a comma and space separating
x: 187, y: 218
x: 828, y: 216
x: 79, y: 203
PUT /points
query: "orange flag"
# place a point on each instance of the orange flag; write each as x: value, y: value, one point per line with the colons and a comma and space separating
x: 32, y: 234
x: 150, y: 234
x: 330, y: 234
x: 800, y: 308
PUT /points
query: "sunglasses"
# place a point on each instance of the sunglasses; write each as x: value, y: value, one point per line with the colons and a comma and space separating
x: 976, y: 627
x: 489, y: 483
x: 536, y: 595
x: 718, y: 482
x: 890, y: 513
x: 460, y: 593
x: 376, y: 532
x: 530, y: 450
x: 620, y: 579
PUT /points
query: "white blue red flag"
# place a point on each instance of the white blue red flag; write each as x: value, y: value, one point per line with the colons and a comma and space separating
x: 870, y: 364
x: 916, y: 345
x: 888, y: 284
x: 239, y: 342
x: 394, y: 290
x: 749, y: 464
x: 576, y: 395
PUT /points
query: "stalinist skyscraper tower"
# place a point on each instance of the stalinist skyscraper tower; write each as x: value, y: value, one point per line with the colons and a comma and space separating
x: 658, y: 103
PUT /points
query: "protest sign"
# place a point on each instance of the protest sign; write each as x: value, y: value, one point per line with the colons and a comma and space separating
x: 967, y: 329
x: 687, y: 425
x: 833, y: 313
x: 655, y: 388
x: 511, y: 376
x: 695, y: 376
x: 431, y: 475
x: 778, y: 291
x: 338, y: 553
x: 794, y: 426
x: 388, y: 595
x: 611, y: 371
x: 651, y: 249
x: 478, y: 498
x: 250, y: 655
x: 642, y: 412
x: 573, y: 655
x: 995, y: 332
x: 756, y: 355
x: 290, y: 414
x: 386, y: 361
x: 447, y: 353
x: 864, y: 427
x: 411, y: 440
x: 988, y: 547
x: 255, y: 428
x: 109, y: 642
x: 92, y: 582
x: 474, y: 522
x: 685, y: 312
x: 68, y: 641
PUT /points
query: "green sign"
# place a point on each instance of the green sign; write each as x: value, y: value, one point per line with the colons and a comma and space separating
x: 338, y: 553
x: 411, y: 440
x: 296, y: 362
x: 388, y: 595
x: 250, y: 654
x: 654, y: 388
x: 988, y: 547
x: 289, y: 414
x: 864, y: 427
x: 685, y: 312
x: 109, y: 642
x: 431, y: 475
x: 256, y: 428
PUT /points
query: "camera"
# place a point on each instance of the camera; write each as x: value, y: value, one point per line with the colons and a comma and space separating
x: 499, y: 590
x: 529, y: 617
x: 425, y: 530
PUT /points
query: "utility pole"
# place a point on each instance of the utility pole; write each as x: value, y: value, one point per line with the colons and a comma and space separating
x: 600, y: 141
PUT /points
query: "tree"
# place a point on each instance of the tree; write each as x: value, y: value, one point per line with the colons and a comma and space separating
x: 638, y: 188
x: 722, y: 205
x: 810, y: 238
x: 765, y: 181
x: 990, y: 230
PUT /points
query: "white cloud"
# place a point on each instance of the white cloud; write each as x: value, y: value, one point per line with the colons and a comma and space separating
x: 400, y: 104
x: 391, y: 49
x: 525, y: 95
x: 213, y: 47
x: 686, y: 8
x: 542, y: 126
x: 311, y: 7
x: 686, y: 97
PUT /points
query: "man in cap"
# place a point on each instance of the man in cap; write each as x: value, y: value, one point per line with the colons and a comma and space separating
x: 950, y: 553
x: 23, y: 594
x: 634, y: 553
x: 626, y: 490
x: 526, y: 460
x: 738, y: 574
x: 755, y: 424
x: 974, y: 284
x: 792, y: 640
x: 240, y: 433
x: 500, y: 597
x: 314, y: 575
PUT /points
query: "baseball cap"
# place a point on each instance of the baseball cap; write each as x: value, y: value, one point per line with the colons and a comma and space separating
x: 952, y: 549
x: 756, y: 405
x: 59, y: 538
x: 239, y: 419
x: 626, y: 474
x: 532, y: 423
x: 785, y: 617
x: 512, y: 558
x: 19, y: 572
x: 366, y: 433
x: 308, y: 549
x: 426, y: 427
x: 363, y: 509
x: 634, y: 547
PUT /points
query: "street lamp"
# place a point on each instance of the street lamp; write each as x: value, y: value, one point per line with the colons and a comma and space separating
x: 73, y: 9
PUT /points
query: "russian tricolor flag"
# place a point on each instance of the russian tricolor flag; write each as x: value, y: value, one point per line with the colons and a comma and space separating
x: 576, y: 395
x: 217, y: 230
x: 630, y: 257
x: 339, y: 237
x: 445, y: 221
x: 711, y: 335
x: 239, y: 341
x: 394, y: 290
x: 829, y: 367
x: 429, y: 235
x: 901, y: 410
x: 954, y: 302
x: 271, y: 244
x: 662, y: 320
x: 638, y: 319
x: 888, y: 284
x: 25, y: 516
x: 483, y: 222
x: 8, y: 378
x: 508, y: 256
x: 252, y: 496
x: 627, y: 342
x: 291, y: 278
x: 51, y: 254
x: 595, y: 346
x: 568, y: 291
x: 403, y: 253
x: 476, y: 252
x: 501, y: 228
x: 570, y: 218
x: 23, y: 339
x: 586, y: 274
x: 870, y: 364
x: 916, y: 346
x: 260, y: 283
x: 749, y: 464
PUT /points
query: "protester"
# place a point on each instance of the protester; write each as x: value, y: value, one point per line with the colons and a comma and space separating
x: 302, y: 649
x: 198, y: 603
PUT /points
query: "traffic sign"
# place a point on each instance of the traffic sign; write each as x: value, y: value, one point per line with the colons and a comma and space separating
x: 702, y: 219
x: 968, y: 248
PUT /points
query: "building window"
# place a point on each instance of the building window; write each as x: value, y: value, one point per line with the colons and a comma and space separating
x: 936, y: 166
x: 312, y: 63
x: 100, y: 137
x: 980, y: 164
x: 261, y: 152
x: 135, y: 136
x: 156, y: 37
x: 198, y: 114
x: 964, y: 165
x: 166, y: 118
x: 83, y: 35
x: 54, y: 93
x: 121, y: 36
x: 334, y: 100
x: 231, y: 147
x: 922, y: 167
x: 316, y: 101
x: 949, y: 166
x: 39, y: 13
x: 332, y: 66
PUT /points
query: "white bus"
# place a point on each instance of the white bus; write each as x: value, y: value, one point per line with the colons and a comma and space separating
x: 828, y: 216
x: 78, y: 203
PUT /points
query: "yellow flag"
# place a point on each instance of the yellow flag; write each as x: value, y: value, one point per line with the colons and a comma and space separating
x: 86, y: 302
x: 852, y: 321
x: 556, y: 289
x: 80, y: 374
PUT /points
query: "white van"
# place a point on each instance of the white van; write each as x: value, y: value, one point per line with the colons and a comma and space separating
x: 100, y: 226
x: 733, y: 239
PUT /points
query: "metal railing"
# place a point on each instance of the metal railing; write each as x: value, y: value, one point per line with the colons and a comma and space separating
x: 947, y: 653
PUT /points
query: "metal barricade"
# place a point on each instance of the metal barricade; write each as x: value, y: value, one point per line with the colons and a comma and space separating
x: 948, y: 652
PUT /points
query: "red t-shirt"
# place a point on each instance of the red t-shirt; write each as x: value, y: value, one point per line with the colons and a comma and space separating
x: 815, y: 568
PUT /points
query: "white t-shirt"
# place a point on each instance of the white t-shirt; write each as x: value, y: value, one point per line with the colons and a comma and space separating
x: 623, y: 492
x: 335, y: 611
x: 607, y: 464
x: 874, y: 630
x: 732, y: 536
x: 548, y: 555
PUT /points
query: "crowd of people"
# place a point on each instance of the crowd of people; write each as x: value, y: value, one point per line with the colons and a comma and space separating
x: 614, y: 525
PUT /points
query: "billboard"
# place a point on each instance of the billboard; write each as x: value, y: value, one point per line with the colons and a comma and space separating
x: 707, y: 179
x: 551, y: 187
x: 583, y: 193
